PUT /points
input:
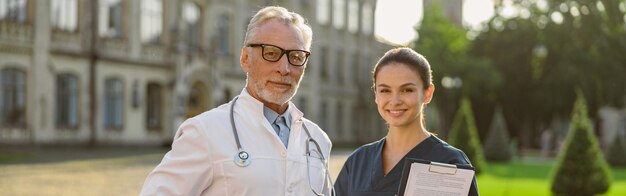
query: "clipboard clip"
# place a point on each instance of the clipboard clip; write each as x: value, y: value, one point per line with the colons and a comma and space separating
x: 442, y: 168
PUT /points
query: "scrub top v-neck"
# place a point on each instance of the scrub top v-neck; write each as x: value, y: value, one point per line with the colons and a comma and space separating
x: 363, y: 175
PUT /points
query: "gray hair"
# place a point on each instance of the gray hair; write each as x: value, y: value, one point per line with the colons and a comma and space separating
x: 283, y: 15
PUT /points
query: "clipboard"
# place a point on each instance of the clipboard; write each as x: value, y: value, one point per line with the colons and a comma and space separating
x: 437, y: 169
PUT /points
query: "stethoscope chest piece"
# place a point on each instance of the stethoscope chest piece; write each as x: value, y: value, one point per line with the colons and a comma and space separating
x: 242, y: 159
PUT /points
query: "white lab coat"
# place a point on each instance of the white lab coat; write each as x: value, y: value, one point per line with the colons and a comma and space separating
x: 201, y: 161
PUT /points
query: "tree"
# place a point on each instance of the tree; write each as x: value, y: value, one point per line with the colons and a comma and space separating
x: 617, y: 152
x: 464, y: 135
x: 446, y: 47
x: 497, y: 142
x: 581, y: 169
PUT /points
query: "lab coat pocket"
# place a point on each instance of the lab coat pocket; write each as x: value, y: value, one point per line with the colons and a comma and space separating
x: 316, y: 170
x: 253, y: 179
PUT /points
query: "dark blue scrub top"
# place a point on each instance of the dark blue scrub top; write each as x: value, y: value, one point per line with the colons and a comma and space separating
x: 362, y: 174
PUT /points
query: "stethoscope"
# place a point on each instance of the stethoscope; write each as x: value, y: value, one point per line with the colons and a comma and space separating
x: 242, y: 158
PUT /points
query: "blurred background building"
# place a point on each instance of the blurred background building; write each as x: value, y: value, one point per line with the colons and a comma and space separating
x: 124, y: 72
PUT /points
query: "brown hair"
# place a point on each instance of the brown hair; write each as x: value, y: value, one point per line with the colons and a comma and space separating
x: 409, y: 57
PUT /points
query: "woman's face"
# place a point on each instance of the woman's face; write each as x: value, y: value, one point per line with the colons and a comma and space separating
x: 400, y: 94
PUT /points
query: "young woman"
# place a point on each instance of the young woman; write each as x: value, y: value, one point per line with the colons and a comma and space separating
x: 402, y: 87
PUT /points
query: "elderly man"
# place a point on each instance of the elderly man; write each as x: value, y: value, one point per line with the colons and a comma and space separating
x: 259, y: 143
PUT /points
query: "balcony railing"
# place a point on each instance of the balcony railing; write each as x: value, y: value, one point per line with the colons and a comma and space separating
x: 65, y: 40
x: 16, y: 32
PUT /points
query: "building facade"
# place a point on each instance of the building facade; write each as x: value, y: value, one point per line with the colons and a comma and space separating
x: 128, y: 72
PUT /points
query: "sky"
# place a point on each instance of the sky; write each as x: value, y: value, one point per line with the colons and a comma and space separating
x: 396, y: 19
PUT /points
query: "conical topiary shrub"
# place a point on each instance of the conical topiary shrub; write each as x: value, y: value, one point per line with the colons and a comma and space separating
x: 497, y: 142
x: 580, y: 168
x: 464, y: 135
x: 617, y: 152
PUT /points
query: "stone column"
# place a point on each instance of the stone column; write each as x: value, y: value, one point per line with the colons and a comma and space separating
x: 41, y: 82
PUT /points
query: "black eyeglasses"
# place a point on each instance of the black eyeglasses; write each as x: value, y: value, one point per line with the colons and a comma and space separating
x: 273, y: 53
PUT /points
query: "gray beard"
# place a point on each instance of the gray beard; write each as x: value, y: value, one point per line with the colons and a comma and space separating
x: 273, y: 98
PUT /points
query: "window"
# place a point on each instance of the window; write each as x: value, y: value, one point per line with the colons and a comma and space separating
x: 110, y: 20
x: 367, y: 15
x: 323, y: 116
x: 302, y: 104
x: 153, y: 109
x: 339, y: 127
x: 197, y: 99
x: 305, y: 4
x: 13, y: 10
x: 227, y: 96
x: 339, y: 66
x: 151, y: 21
x: 353, y: 16
x: 223, y: 33
x: 63, y: 14
x: 324, y: 63
x: 323, y: 12
x: 12, y: 98
x: 191, y: 18
x: 355, y: 68
x: 67, y: 101
x: 339, y: 13
x: 113, y: 103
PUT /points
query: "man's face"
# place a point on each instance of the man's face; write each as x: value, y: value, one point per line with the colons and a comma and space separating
x: 273, y: 83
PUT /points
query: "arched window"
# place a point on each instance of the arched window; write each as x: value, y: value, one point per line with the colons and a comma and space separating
x: 63, y: 14
x: 113, y: 103
x: 66, y: 101
x: 197, y: 99
x: 153, y: 107
x: 151, y: 21
x: 12, y: 98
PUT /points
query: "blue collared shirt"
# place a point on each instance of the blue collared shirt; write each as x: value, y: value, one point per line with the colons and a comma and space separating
x: 271, y: 116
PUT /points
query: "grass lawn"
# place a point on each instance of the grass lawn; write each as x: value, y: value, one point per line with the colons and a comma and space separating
x: 528, y: 178
x: 76, y: 171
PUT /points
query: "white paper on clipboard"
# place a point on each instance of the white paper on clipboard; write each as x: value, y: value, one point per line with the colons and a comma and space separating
x: 437, y: 179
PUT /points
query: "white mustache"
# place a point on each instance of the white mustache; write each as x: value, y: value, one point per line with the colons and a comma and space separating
x: 287, y: 80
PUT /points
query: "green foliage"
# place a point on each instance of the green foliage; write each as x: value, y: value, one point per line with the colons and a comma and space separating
x: 446, y: 46
x: 543, y: 60
x: 497, y: 143
x: 464, y: 136
x: 581, y: 169
x: 617, y: 152
x: 532, y: 178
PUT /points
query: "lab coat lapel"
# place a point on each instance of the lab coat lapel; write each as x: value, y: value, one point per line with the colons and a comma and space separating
x: 296, y: 132
x: 251, y: 109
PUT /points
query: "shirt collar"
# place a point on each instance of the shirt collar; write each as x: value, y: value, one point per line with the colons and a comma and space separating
x: 291, y: 112
x: 271, y: 116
